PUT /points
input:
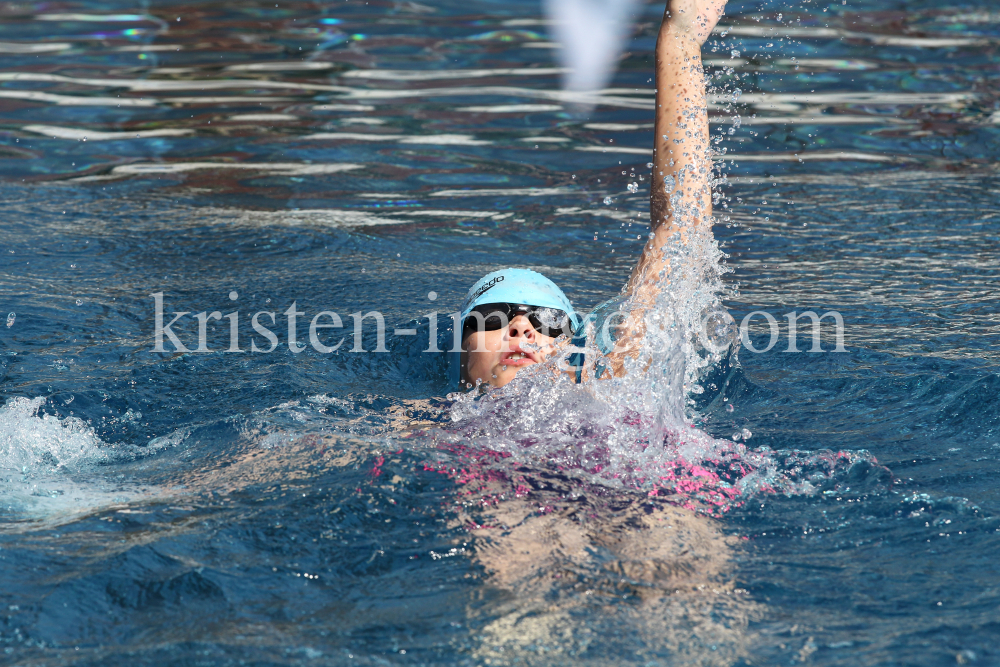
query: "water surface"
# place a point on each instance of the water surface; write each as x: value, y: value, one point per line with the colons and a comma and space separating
x: 220, y: 508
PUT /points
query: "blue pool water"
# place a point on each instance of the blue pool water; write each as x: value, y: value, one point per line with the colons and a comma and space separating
x: 286, y: 509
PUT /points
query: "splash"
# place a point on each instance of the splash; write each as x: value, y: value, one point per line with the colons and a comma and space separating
x: 635, y: 428
x: 48, y: 465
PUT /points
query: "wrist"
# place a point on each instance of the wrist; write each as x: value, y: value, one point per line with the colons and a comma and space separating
x: 678, y: 40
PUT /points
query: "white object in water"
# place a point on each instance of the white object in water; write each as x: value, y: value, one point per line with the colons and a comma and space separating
x: 592, y: 34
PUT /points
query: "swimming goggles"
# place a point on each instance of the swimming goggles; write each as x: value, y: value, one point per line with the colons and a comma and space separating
x: 492, y: 316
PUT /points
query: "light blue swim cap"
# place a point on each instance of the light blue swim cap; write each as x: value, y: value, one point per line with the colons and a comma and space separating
x: 518, y: 286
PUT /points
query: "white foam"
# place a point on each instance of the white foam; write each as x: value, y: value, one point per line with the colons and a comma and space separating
x: 512, y: 108
x: 277, y: 168
x: 53, y: 469
x: 834, y: 33
x: 39, y: 455
x: 422, y: 139
x: 430, y: 75
x: 57, y: 132
x: 41, y: 47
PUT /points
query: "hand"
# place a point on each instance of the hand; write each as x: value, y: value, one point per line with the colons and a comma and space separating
x: 694, y: 19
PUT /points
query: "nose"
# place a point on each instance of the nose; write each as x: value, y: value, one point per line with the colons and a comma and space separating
x: 520, y: 327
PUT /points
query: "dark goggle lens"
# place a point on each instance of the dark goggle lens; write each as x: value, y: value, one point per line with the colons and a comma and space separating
x: 547, y: 321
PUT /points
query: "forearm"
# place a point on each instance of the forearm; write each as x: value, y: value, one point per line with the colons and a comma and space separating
x: 680, y: 192
x: 680, y: 198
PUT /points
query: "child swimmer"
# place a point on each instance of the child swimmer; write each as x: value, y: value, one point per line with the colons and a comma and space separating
x: 511, y: 318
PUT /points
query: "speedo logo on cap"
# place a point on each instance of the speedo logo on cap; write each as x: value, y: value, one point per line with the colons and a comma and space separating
x: 485, y: 288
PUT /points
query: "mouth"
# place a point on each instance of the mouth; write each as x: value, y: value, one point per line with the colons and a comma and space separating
x: 518, y: 358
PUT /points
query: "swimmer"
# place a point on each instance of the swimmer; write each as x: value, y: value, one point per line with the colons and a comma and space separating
x: 512, y: 318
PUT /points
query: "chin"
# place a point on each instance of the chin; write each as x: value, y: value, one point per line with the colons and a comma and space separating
x: 503, y: 378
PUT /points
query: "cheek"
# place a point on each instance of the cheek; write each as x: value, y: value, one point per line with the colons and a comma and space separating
x: 483, y: 350
x: 483, y: 343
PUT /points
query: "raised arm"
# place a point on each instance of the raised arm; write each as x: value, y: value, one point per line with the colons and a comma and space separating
x: 680, y: 197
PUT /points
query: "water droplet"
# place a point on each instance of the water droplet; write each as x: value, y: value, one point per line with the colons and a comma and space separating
x: 432, y: 296
x: 10, y: 319
x: 649, y: 165
x: 735, y: 53
x: 233, y: 295
x: 633, y: 187
x: 729, y: 407
x: 79, y: 302
x: 608, y: 201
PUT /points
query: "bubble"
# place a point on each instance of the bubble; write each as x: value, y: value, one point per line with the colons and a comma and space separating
x: 729, y: 407
x: 432, y: 296
x: 10, y: 319
x: 649, y: 165
x: 735, y: 53
x: 633, y: 187
x: 746, y: 434
x: 233, y: 295
x: 79, y: 302
x: 608, y: 201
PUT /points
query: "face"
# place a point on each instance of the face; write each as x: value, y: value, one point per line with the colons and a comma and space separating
x: 496, y: 356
